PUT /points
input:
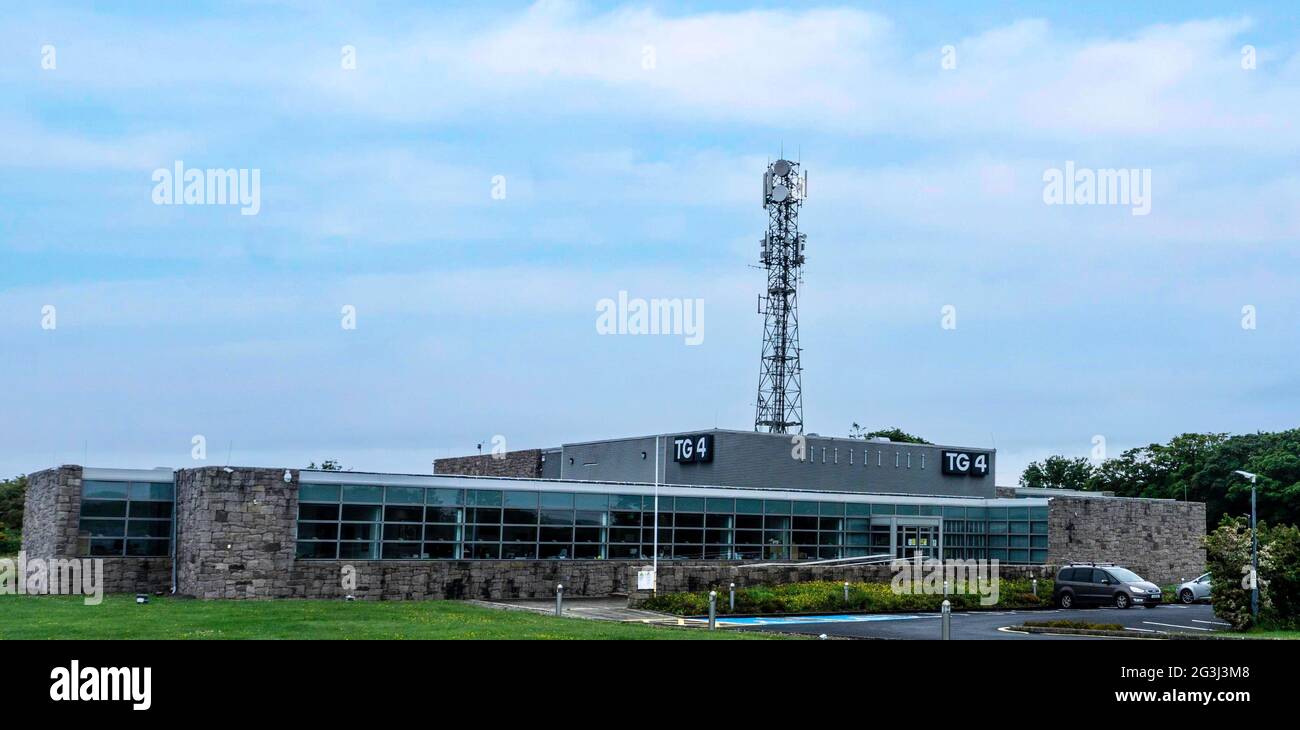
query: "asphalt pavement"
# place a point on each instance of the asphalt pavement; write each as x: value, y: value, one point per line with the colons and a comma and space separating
x: 998, y: 625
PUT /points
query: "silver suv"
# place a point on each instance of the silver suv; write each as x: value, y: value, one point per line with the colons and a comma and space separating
x: 1101, y: 584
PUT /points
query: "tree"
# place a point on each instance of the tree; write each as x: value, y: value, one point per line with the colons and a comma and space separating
x: 893, y: 433
x: 13, y: 492
x: 1198, y: 467
x: 327, y: 465
x: 1058, y: 472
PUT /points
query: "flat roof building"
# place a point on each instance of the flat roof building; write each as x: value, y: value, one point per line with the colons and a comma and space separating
x: 586, y: 514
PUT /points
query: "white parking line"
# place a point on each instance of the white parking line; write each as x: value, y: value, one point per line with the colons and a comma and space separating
x: 1216, y: 623
x: 1178, y: 626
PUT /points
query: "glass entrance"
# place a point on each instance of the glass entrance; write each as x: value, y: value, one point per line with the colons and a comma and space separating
x: 911, y: 539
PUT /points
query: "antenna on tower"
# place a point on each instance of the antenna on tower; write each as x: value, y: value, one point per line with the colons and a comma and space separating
x: 780, y: 396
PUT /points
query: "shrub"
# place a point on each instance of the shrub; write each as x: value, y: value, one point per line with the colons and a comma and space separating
x: 828, y: 597
x: 1060, y: 624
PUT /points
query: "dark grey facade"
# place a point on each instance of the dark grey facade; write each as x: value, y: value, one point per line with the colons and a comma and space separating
x: 759, y: 460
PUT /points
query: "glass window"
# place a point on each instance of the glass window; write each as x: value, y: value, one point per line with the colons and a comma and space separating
x: 591, y: 501
x: 157, y: 491
x: 403, y: 514
x: 749, y: 506
x: 103, y: 490
x: 557, y: 517
x: 361, y: 513
x: 626, y: 502
x: 520, y: 499
x: 448, y: 533
x: 401, y: 550
x: 442, y: 514
x: 318, y: 531
x: 718, y: 505
x: 857, y: 509
x: 146, y: 548
x: 589, y: 518
x: 358, y: 493
x: 316, y: 550
x: 401, y: 531
x: 776, y: 507
x: 138, y: 511
x: 832, y: 508
x: 103, y: 509
x: 519, y: 551
x: 805, y: 508
x: 520, y: 516
x: 404, y: 495
x: 443, y: 497
x: 318, y: 493
x: 485, y: 497
x: 690, y: 504
x: 557, y: 500
x: 318, y: 512
x: 882, y: 509
x: 359, y: 550
x: 908, y: 509
x: 625, y: 519
x: 519, y: 533
x: 359, y: 531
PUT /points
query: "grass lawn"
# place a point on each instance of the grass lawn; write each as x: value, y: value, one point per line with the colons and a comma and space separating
x: 118, y: 617
x: 1271, y: 634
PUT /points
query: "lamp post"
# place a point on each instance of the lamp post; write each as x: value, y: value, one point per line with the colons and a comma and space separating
x: 1254, y: 550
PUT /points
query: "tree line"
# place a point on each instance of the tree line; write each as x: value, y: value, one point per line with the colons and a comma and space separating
x: 1197, y: 467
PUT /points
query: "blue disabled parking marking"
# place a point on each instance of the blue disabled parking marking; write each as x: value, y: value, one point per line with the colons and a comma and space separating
x: 789, y: 620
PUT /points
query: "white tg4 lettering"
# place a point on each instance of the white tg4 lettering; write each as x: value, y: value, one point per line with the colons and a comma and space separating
x: 114, y: 684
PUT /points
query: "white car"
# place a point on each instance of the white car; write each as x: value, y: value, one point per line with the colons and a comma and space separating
x: 1195, y: 590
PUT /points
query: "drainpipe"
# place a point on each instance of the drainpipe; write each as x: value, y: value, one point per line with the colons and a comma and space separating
x: 175, y: 519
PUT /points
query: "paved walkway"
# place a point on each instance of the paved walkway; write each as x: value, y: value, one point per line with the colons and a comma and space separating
x: 608, y: 608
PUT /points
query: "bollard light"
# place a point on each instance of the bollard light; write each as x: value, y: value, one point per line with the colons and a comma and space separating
x: 559, y: 599
x: 846, y: 592
x: 945, y: 619
x: 1035, y: 586
x: 733, y: 597
x: 945, y: 587
x: 713, y: 609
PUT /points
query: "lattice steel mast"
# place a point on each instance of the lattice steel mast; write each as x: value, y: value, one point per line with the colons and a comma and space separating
x: 780, y: 398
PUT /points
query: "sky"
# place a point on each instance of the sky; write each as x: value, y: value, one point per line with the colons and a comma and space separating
x: 447, y: 191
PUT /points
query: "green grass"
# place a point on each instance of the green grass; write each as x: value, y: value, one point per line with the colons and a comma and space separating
x: 118, y: 617
x: 1271, y: 634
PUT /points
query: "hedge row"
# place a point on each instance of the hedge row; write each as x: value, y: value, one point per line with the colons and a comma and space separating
x: 828, y: 596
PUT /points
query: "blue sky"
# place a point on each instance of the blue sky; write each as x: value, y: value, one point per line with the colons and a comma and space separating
x: 476, y: 315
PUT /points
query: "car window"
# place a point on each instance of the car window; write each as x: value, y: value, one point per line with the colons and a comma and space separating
x: 1066, y: 575
x: 1125, y: 576
x: 1204, y: 579
x: 1083, y: 575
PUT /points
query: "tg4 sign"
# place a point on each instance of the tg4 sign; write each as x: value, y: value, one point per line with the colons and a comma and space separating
x: 965, y: 463
x: 693, y: 449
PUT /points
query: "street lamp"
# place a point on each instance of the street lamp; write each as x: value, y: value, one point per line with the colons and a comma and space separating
x: 1254, y: 550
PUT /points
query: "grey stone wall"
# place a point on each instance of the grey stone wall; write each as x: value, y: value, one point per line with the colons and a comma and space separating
x: 696, y: 577
x: 1161, y: 540
x: 52, y: 512
x: 236, y: 532
x: 525, y: 463
x: 137, y: 575
x: 456, y: 579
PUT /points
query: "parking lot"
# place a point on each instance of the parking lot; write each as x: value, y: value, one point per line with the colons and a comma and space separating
x: 1194, y: 619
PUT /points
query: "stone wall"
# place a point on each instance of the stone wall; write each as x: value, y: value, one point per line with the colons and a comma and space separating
x: 236, y: 531
x: 52, y: 513
x: 526, y: 463
x: 137, y: 575
x: 696, y: 577
x: 1161, y: 540
x: 490, y: 580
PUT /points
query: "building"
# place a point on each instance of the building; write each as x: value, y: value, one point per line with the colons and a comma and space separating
x: 514, y: 524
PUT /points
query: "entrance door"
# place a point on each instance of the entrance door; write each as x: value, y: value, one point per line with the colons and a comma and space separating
x: 913, y: 538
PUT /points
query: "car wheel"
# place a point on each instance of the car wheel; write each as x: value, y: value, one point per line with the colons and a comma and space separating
x: 1121, y: 600
x: 1065, y: 600
x: 1186, y: 596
